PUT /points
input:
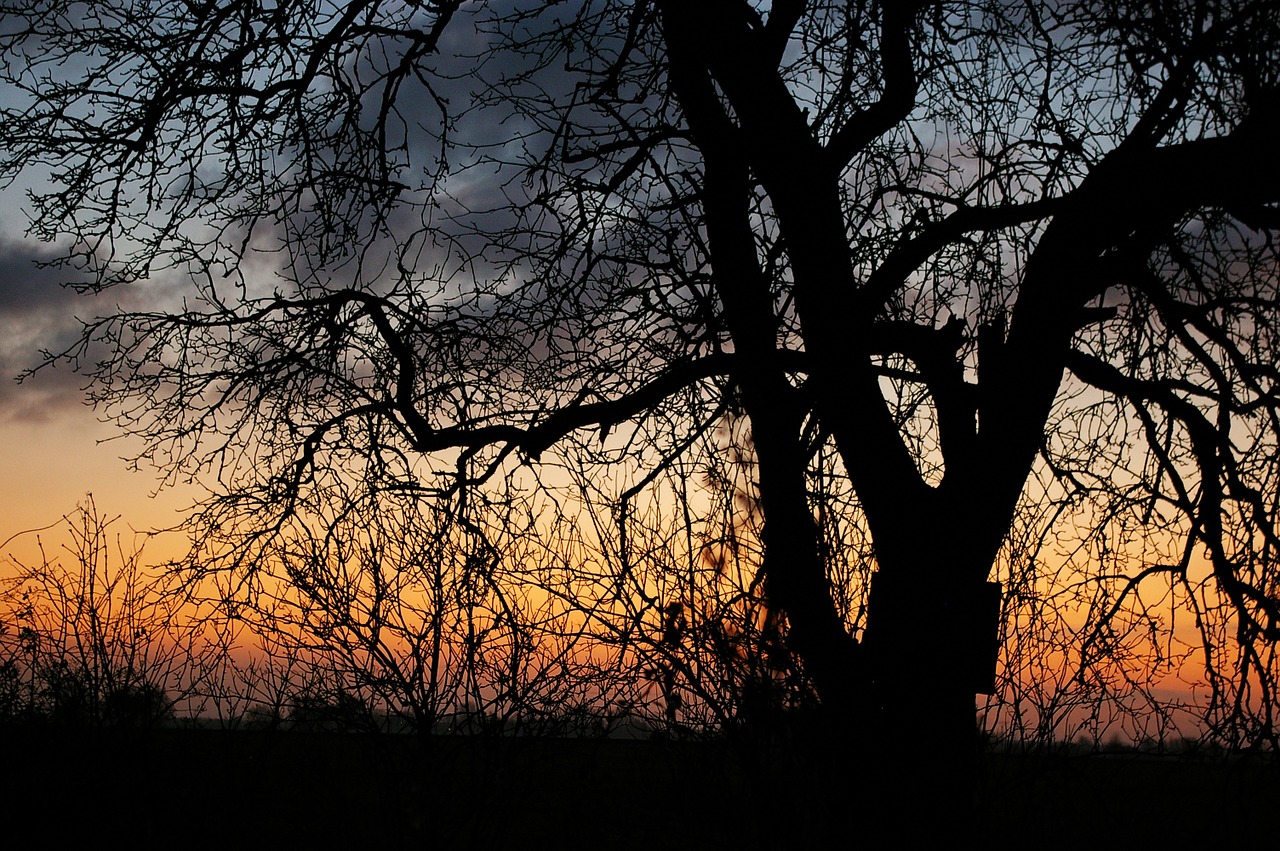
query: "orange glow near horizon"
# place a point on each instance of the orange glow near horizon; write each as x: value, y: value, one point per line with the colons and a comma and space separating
x: 49, y: 467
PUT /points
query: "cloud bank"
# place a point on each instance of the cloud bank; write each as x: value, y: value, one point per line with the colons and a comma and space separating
x: 37, y: 314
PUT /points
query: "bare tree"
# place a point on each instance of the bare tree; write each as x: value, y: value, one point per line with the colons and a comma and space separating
x: 958, y: 260
x: 422, y: 616
x: 93, y: 636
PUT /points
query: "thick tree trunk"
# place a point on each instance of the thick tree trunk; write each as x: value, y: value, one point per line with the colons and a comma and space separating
x: 898, y: 728
x: 897, y: 741
x: 929, y: 649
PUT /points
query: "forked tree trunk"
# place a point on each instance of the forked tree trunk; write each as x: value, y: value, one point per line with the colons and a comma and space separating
x: 899, y: 747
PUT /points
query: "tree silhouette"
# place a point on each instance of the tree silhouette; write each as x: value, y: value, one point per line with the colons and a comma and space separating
x: 967, y: 258
x: 91, y: 637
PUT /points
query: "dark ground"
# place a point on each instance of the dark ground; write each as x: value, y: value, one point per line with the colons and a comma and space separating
x: 212, y: 789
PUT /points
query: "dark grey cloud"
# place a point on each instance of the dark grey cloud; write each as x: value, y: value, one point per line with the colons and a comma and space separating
x: 25, y: 288
x: 36, y: 313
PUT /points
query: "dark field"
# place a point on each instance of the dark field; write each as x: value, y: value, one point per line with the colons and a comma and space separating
x: 209, y: 789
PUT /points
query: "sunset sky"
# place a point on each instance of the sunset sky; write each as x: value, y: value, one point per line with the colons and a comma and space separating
x: 53, y: 454
x: 549, y: 263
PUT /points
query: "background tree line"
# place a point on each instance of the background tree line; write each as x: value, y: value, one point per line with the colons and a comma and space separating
x: 406, y: 623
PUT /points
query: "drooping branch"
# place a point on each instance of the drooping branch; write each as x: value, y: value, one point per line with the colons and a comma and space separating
x: 1212, y: 449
